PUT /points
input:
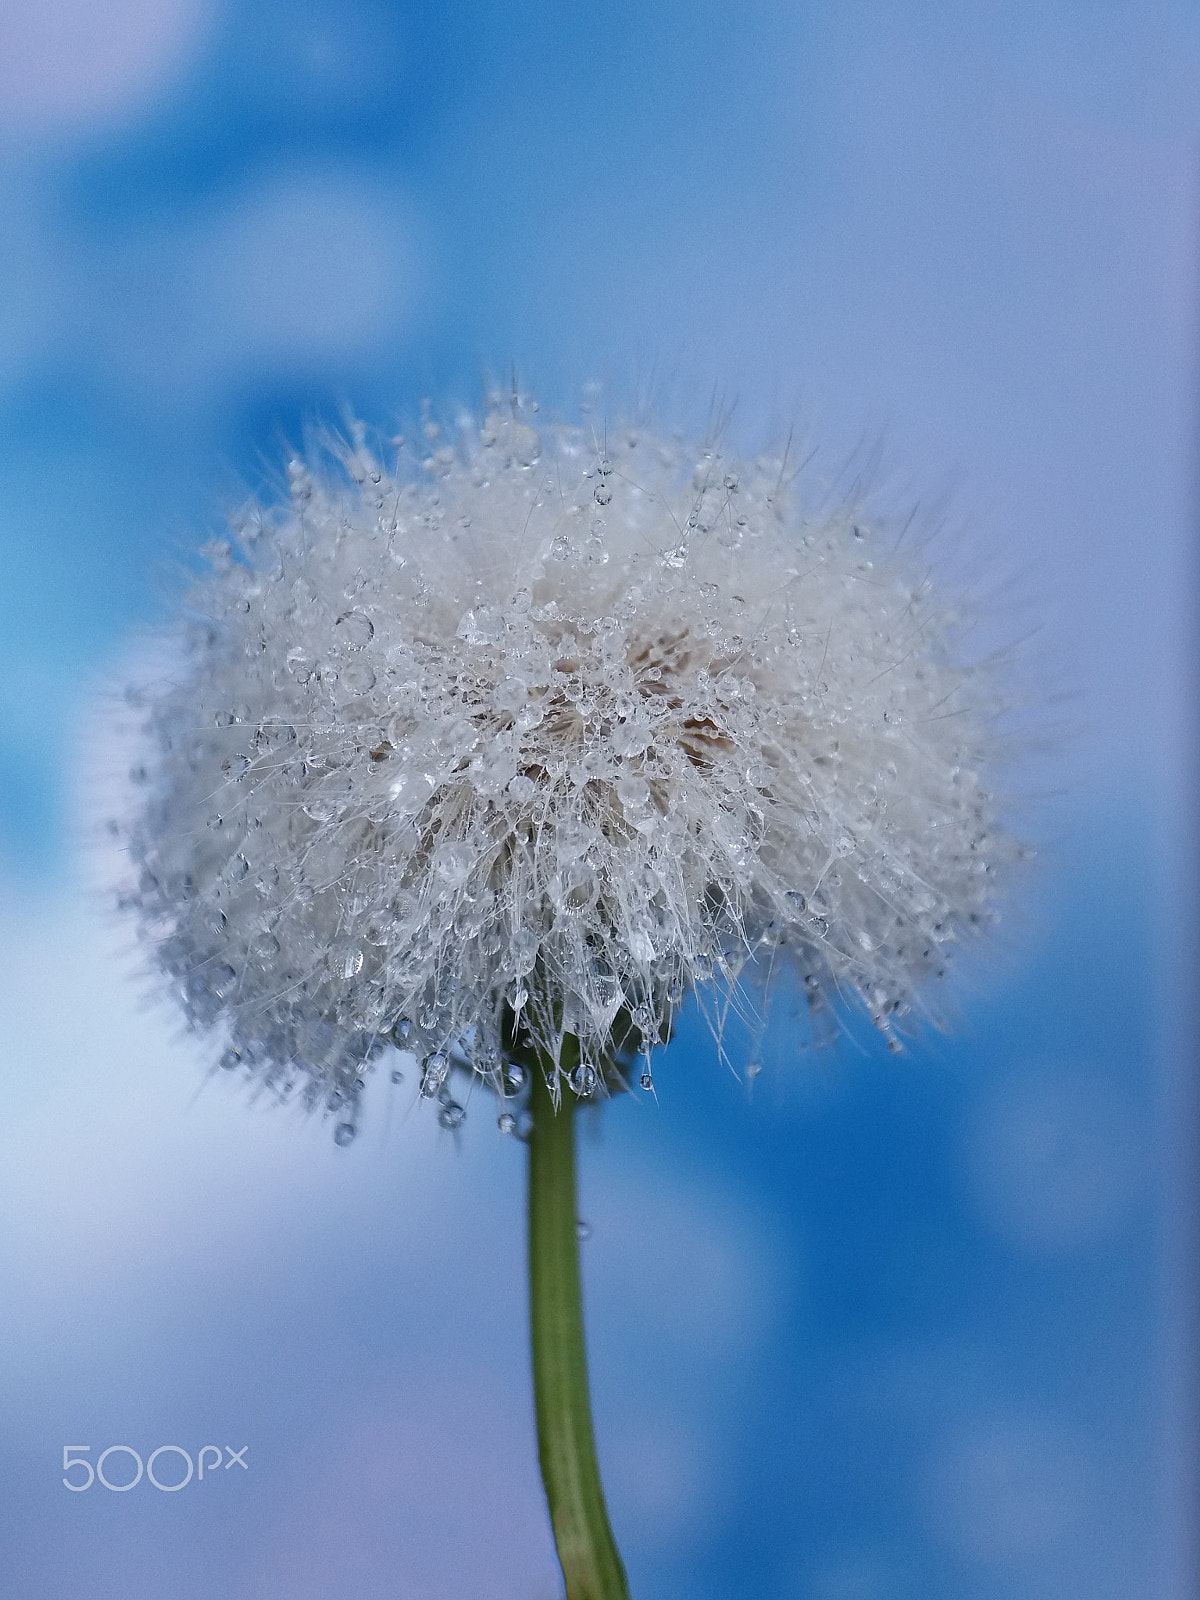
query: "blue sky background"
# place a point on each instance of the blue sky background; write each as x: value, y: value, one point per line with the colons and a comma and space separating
x: 880, y: 1329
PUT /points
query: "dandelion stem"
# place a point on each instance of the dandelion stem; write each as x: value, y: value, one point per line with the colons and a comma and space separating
x: 588, y: 1554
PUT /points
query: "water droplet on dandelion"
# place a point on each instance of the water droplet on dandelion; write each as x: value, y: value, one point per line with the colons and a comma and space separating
x: 437, y: 1067
x: 354, y: 630
x: 358, y: 677
x: 584, y: 1081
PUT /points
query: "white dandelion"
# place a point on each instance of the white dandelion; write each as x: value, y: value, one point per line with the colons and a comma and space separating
x: 556, y: 728
x: 500, y: 753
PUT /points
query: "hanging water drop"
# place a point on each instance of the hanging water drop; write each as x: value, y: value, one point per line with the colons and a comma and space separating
x: 437, y: 1068
x: 584, y: 1080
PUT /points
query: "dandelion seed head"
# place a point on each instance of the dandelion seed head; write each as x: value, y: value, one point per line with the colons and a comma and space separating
x: 543, y: 726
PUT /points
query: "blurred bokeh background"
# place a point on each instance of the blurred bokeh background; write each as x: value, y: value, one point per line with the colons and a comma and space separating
x: 882, y: 1328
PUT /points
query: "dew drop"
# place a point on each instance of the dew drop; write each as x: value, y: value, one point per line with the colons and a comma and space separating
x: 753, y: 1069
x: 264, y: 946
x: 401, y: 1033
x: 514, y: 1077
x: 602, y: 494
x: 358, y: 677
x: 584, y: 1081
x: 397, y: 1075
x: 354, y: 629
x: 451, y: 1115
x: 232, y: 1058
x: 344, y: 1134
x: 583, y: 1230
x: 506, y: 1122
x: 300, y: 664
x: 646, y: 1081
x: 437, y: 1066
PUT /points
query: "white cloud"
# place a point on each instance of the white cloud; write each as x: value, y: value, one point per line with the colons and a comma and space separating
x: 71, y: 63
x: 660, y: 1477
x: 424, y: 1486
x: 303, y: 267
x: 1052, y: 1157
x: 299, y: 270
x: 1006, y: 1488
x: 691, y: 1266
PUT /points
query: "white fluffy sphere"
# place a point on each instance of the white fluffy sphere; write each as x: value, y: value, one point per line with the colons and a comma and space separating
x: 556, y: 728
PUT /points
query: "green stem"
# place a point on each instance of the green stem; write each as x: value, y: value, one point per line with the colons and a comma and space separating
x: 588, y: 1555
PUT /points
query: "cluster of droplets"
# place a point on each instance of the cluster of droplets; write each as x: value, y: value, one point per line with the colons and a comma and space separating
x: 539, y: 730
